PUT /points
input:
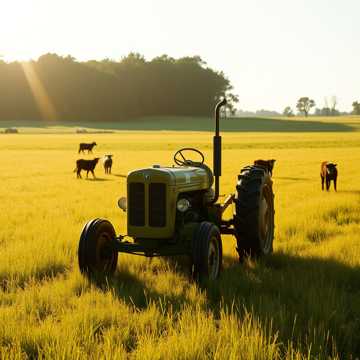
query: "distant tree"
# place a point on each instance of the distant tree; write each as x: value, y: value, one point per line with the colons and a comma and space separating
x: 356, y: 108
x: 288, y: 112
x: 304, y: 105
x: 326, y: 111
x: 329, y: 108
x: 333, y: 103
x: 232, y: 99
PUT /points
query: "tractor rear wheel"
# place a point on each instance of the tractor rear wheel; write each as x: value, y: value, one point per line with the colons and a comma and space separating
x: 254, y: 212
x: 96, y: 254
x: 206, y: 252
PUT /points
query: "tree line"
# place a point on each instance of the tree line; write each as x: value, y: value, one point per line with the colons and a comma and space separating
x: 305, y: 104
x: 56, y: 87
x: 356, y: 107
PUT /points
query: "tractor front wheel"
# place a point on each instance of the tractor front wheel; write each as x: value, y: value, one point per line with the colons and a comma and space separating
x: 207, y: 252
x: 254, y: 212
x: 96, y: 254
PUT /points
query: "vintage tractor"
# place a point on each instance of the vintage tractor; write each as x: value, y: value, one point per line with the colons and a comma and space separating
x: 174, y: 211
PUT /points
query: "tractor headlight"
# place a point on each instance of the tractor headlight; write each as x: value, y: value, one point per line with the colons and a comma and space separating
x: 122, y: 203
x: 183, y: 205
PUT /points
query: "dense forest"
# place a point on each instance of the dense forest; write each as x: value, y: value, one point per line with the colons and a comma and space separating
x: 61, y: 88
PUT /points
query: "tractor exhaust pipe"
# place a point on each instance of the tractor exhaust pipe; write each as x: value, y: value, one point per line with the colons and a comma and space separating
x: 217, y: 148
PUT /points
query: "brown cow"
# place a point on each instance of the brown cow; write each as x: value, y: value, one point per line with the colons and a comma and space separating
x: 87, y: 165
x: 266, y: 164
x: 328, y: 172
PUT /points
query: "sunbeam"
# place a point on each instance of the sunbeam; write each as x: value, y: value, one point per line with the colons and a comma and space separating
x: 44, y: 103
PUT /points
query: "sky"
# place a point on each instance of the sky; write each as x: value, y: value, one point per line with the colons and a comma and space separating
x: 273, y: 51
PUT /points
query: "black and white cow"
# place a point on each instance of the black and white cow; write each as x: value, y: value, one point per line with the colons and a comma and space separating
x: 107, y: 162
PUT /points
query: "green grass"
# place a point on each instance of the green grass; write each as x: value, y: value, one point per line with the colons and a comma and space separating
x: 301, y: 302
x: 176, y: 123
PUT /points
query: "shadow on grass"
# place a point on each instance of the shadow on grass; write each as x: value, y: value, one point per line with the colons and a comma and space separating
x: 251, y: 124
x: 353, y: 192
x: 11, y: 281
x: 120, y: 175
x: 135, y: 292
x: 292, y: 178
x: 98, y: 179
x: 308, y: 300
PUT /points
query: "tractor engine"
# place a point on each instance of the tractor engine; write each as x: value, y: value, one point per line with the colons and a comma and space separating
x: 158, y: 197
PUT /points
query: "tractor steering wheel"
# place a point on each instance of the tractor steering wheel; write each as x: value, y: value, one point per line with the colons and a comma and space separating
x: 180, y: 159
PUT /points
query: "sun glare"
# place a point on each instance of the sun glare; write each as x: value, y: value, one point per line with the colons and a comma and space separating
x: 44, y: 103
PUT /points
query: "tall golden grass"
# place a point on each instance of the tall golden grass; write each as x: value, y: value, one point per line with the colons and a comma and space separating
x: 302, y: 302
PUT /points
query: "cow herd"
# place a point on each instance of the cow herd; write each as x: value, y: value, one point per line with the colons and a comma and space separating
x: 89, y: 165
x: 328, y: 171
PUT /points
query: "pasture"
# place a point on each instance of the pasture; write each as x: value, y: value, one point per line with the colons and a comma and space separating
x: 302, y: 302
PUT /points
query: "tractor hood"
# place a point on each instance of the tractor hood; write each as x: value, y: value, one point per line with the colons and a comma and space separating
x: 186, y: 177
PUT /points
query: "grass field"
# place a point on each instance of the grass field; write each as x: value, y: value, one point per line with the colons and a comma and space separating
x: 302, y: 302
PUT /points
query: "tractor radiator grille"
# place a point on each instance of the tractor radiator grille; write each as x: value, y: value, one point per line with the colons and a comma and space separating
x: 157, y: 204
x: 137, y: 204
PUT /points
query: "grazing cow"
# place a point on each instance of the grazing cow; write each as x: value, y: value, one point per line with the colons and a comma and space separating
x: 88, y: 147
x: 328, y: 172
x: 87, y: 165
x: 107, y: 162
x: 267, y: 164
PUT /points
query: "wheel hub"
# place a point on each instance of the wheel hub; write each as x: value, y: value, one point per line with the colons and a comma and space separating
x: 104, y: 253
